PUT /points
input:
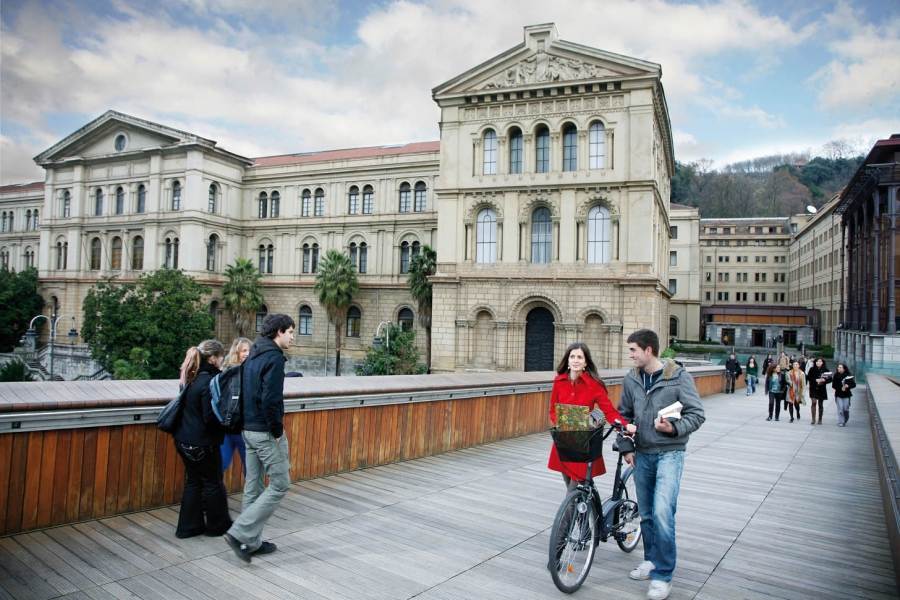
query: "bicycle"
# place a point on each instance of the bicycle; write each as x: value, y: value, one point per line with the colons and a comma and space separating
x: 583, y: 519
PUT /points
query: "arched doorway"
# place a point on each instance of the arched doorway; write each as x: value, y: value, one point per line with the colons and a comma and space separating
x: 539, y: 340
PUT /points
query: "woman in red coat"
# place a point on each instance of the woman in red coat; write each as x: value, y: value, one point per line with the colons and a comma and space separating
x: 579, y: 383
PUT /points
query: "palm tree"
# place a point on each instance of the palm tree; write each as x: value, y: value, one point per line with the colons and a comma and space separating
x: 242, y: 294
x: 421, y: 267
x: 336, y: 284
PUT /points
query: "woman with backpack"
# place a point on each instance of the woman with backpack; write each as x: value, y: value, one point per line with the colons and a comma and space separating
x: 776, y: 387
x: 842, y: 382
x: 240, y: 349
x: 198, y: 435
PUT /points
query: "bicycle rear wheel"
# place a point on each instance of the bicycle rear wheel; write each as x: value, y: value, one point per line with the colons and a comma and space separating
x: 572, y: 541
x: 628, y: 518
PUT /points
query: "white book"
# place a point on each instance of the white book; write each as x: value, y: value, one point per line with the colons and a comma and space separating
x: 672, y: 411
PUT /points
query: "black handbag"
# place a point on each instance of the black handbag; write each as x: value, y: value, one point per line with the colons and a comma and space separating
x: 170, y: 415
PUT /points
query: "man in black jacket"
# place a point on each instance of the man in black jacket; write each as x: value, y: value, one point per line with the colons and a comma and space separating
x: 262, y: 394
x: 732, y: 372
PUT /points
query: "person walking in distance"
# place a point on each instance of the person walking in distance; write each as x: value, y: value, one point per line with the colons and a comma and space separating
x: 842, y: 382
x: 732, y: 372
x: 776, y: 386
x: 657, y: 454
x: 796, y: 389
x: 752, y: 375
x: 262, y: 391
x: 818, y: 377
x: 240, y: 350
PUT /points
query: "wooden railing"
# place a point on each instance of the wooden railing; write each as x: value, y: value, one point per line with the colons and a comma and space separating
x: 72, y: 451
x: 884, y: 416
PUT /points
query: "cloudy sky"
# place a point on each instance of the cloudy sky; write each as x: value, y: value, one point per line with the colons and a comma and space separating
x: 742, y: 78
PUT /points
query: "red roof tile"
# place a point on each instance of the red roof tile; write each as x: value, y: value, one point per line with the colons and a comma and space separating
x: 347, y: 153
x: 22, y: 187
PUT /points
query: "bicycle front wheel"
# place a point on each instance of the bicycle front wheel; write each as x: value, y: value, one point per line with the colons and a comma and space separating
x: 572, y: 541
x: 628, y: 518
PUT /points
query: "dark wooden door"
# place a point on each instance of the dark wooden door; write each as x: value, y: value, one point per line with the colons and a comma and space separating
x: 539, y: 340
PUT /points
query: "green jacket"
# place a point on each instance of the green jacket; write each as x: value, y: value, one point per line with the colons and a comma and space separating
x: 641, y: 408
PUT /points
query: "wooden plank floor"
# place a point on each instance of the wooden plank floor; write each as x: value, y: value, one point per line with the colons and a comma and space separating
x: 767, y: 510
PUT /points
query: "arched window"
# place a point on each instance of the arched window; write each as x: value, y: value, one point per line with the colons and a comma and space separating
x: 171, y: 261
x: 673, y: 327
x: 415, y: 247
x: 353, y: 200
x: 35, y: 221
x: 490, y: 152
x: 404, y: 197
x: 515, y: 150
x: 115, y: 259
x: 541, y: 235
x: 405, y: 319
x: 320, y: 202
x: 211, y: 246
x: 266, y: 258
x: 3, y: 228
x: 213, y: 198
x: 419, y: 202
x: 66, y: 204
x: 4, y: 258
x: 141, y: 199
x: 95, y: 254
x: 305, y: 203
x: 137, y: 254
x: 597, y: 144
x: 354, y: 255
x: 486, y: 237
x: 120, y: 200
x: 542, y: 149
x: 310, y: 258
x: 354, y: 316
x: 29, y: 257
x: 28, y: 219
x: 261, y: 316
x: 404, y: 257
x: 98, y: 203
x: 368, y: 200
x: 263, y: 205
x: 176, y: 195
x: 305, y: 321
x: 275, y: 205
x: 598, y: 238
x: 363, y: 257
x: 62, y: 255
x: 11, y: 227
x: 570, y: 147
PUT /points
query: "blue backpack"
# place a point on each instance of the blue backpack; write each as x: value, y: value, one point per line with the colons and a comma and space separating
x: 225, y: 390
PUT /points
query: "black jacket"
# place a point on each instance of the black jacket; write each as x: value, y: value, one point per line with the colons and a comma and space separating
x: 782, y: 378
x: 198, y: 425
x: 263, y: 388
x: 837, y: 384
x: 733, y: 366
x: 817, y: 390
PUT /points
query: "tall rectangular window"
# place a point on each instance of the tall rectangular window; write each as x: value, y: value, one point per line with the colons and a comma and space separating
x: 542, y: 150
x: 490, y: 152
x: 673, y: 259
x: 597, y: 143
x: 515, y: 152
x: 570, y: 148
x: 673, y: 286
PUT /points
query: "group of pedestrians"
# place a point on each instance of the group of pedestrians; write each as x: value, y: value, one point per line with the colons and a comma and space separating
x: 789, y: 381
x: 207, y: 450
x: 657, y: 451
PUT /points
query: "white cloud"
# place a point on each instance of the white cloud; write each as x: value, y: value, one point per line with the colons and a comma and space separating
x: 865, y: 71
x: 263, y: 90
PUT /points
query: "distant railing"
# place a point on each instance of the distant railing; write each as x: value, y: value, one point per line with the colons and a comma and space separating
x: 73, y: 451
x: 884, y: 414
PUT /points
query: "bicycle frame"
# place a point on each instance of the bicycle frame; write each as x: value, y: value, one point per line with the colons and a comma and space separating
x: 606, y: 509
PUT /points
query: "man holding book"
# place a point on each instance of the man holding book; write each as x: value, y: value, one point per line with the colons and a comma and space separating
x: 661, y: 399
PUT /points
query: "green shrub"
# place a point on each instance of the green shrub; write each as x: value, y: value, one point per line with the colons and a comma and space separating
x: 15, y: 370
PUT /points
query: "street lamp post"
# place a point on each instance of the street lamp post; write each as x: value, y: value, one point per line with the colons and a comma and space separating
x: 387, y: 332
x: 53, y: 320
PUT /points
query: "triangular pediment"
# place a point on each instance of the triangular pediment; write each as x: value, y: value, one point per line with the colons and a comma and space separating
x: 115, y: 133
x: 543, y: 59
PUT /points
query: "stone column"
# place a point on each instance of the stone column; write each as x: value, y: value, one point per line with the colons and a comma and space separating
x: 893, y: 202
x: 502, y: 156
x: 876, y: 262
x: 528, y: 153
x: 844, y: 320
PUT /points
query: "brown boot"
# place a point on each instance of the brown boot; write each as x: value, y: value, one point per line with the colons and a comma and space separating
x: 813, y: 410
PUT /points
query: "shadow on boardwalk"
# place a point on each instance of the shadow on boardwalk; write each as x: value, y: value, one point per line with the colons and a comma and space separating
x: 767, y: 510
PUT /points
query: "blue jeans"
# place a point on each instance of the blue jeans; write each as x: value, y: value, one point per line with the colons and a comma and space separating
x: 232, y: 442
x: 657, y: 479
x: 751, y: 384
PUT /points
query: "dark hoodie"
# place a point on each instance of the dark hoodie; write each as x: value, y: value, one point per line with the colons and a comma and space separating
x: 263, y: 387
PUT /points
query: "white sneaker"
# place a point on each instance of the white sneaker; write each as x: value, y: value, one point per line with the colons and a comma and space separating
x: 659, y: 590
x: 642, y: 571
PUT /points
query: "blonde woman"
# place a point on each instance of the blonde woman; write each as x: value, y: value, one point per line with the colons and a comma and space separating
x: 198, y: 435
x: 796, y: 389
x: 240, y: 349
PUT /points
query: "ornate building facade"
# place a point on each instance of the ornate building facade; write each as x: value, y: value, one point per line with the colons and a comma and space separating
x: 547, y: 200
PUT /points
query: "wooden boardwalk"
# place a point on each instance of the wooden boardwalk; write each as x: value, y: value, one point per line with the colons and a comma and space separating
x: 767, y: 510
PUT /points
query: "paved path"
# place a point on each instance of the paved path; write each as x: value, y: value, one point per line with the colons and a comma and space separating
x: 768, y: 510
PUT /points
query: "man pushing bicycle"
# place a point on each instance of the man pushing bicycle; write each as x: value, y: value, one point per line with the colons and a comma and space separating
x: 661, y: 399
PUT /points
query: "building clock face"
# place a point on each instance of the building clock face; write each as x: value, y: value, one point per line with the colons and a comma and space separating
x: 120, y: 142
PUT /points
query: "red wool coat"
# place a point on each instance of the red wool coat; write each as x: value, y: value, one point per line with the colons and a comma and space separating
x: 585, y: 391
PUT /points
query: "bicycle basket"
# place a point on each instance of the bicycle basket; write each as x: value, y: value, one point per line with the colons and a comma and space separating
x: 578, y: 445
